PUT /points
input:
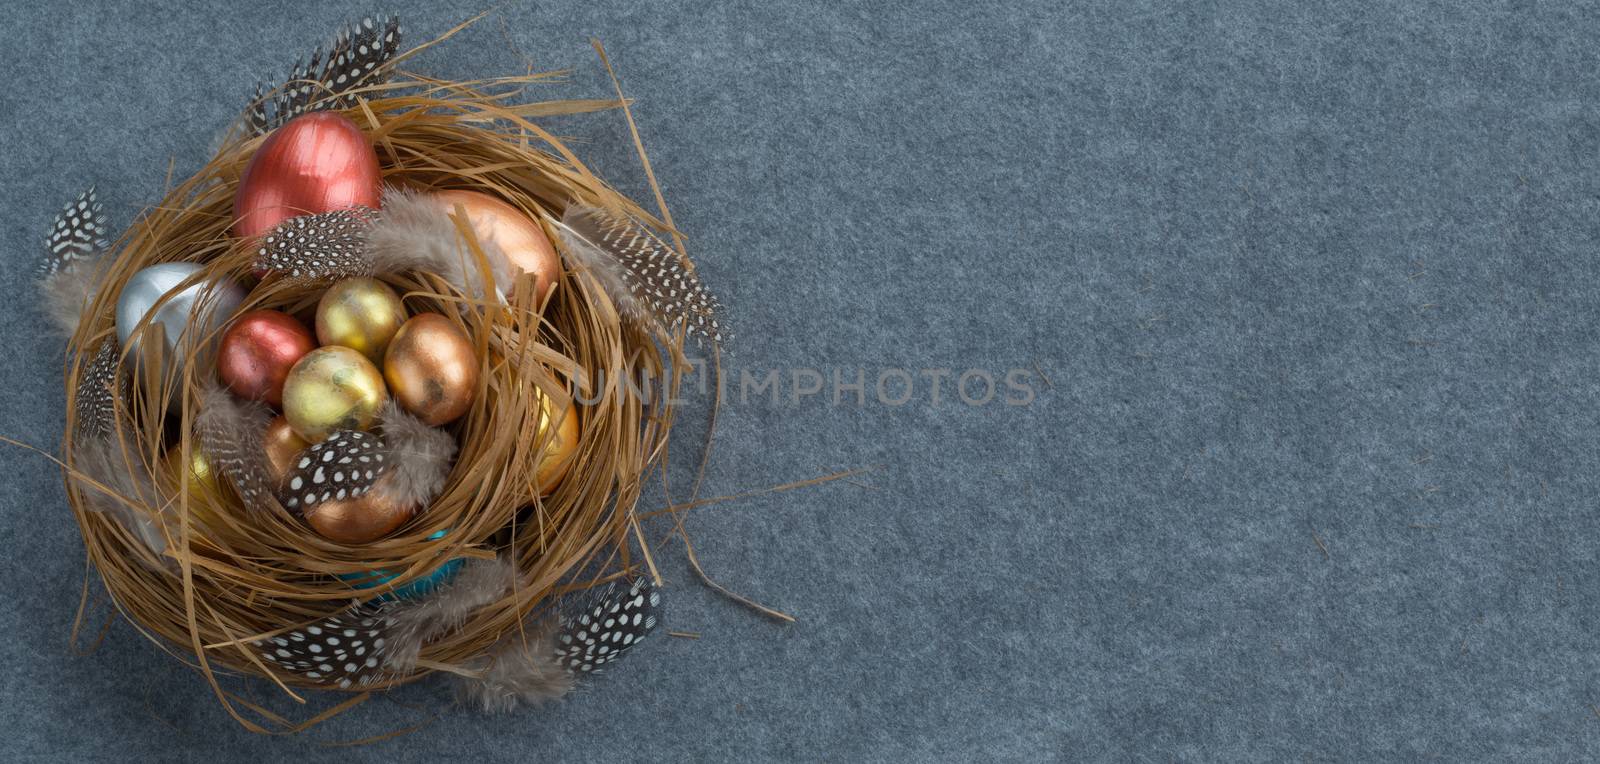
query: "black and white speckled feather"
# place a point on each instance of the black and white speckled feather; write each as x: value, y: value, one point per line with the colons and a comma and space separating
x: 376, y: 640
x: 608, y: 625
x: 359, y: 56
x: 70, y: 270
x: 79, y: 234
x: 643, y: 275
x: 329, y: 245
x: 345, y: 465
x: 345, y: 649
x: 230, y: 434
x: 94, y: 400
x: 537, y: 662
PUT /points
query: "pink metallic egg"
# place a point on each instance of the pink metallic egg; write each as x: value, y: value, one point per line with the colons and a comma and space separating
x: 317, y: 162
x: 257, y: 352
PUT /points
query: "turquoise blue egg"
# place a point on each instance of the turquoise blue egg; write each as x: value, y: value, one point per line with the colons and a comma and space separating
x: 413, y: 590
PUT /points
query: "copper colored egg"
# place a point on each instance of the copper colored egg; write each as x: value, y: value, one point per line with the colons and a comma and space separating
x: 361, y: 314
x: 432, y: 369
x: 368, y: 517
x: 561, y: 450
x: 332, y: 388
x: 521, y: 238
x: 316, y: 162
x: 282, y: 446
x: 257, y: 352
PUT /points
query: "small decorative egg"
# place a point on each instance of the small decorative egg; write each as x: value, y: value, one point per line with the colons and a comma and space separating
x: 359, y: 520
x: 361, y: 314
x: 191, y: 319
x: 206, y: 487
x: 257, y: 352
x: 282, y: 446
x: 432, y: 369
x: 332, y: 388
x: 521, y: 238
x: 561, y: 451
x: 416, y: 588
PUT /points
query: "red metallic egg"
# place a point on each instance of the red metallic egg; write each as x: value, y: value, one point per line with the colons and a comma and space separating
x: 257, y: 352
x: 316, y: 162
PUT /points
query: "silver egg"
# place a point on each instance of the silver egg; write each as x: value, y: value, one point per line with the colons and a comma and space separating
x: 192, y: 319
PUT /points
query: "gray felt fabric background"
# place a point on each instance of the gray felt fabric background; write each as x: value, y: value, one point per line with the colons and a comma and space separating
x: 1306, y: 295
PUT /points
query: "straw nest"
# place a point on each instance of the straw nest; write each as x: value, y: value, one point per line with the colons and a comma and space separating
x: 217, y: 586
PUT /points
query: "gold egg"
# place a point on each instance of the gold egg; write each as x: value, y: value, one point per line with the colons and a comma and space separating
x: 332, y: 388
x: 561, y: 451
x: 206, y: 487
x: 282, y: 446
x: 432, y: 368
x: 361, y: 314
x: 367, y: 517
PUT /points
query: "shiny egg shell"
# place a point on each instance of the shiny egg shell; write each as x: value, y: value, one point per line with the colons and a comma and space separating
x: 332, y: 388
x: 282, y: 445
x: 257, y: 352
x: 360, y: 520
x: 317, y: 162
x: 417, y: 588
x: 361, y: 314
x: 520, y: 237
x: 206, y: 488
x: 432, y: 369
x: 561, y: 450
x: 191, y: 319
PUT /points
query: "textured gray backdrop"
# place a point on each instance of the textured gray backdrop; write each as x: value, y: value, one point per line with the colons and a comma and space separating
x: 1313, y: 284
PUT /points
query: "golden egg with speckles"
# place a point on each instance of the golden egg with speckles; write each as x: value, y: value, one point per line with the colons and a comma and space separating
x: 332, y: 388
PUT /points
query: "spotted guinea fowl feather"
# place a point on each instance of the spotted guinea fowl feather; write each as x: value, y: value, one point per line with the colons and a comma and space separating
x: 79, y: 234
x: 230, y: 432
x: 359, y: 56
x: 328, y: 245
x: 95, y: 399
x: 70, y: 270
x: 364, y: 643
x: 645, y: 278
x: 345, y: 465
x: 612, y: 622
x: 538, y: 661
x: 345, y: 649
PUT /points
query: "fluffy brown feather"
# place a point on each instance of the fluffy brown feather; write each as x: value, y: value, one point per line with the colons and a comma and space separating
x: 419, y: 457
x: 123, y: 490
x: 520, y: 669
x: 478, y: 583
x: 415, y: 233
x: 67, y: 294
